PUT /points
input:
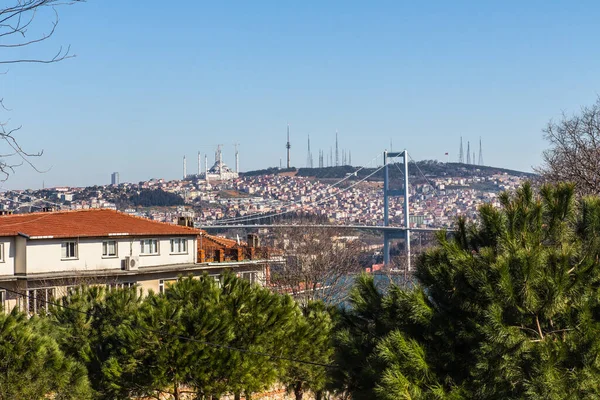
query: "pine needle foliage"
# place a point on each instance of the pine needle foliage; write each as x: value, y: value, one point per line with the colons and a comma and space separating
x: 32, y: 366
x: 506, y: 308
x: 200, y: 339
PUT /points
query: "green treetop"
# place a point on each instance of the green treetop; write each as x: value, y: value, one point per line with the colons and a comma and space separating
x: 507, y: 308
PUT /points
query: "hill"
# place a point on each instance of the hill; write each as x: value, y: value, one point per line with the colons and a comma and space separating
x: 428, y: 168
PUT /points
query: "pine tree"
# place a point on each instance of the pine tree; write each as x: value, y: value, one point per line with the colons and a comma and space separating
x: 32, y: 366
x: 101, y: 328
x: 507, y: 308
x: 310, y: 340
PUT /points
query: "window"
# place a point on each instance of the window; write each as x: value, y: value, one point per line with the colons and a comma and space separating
x: 179, y: 246
x: 68, y: 250
x: 2, y: 299
x: 164, y: 283
x: 1, y: 252
x: 248, y: 276
x: 121, y: 285
x: 109, y: 248
x: 149, y: 246
x: 37, y: 300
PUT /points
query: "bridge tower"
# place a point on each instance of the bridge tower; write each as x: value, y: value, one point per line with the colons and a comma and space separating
x: 387, y: 193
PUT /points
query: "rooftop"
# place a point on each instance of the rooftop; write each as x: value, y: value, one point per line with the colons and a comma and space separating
x: 86, y: 223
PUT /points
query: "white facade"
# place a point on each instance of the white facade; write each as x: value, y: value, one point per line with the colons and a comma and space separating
x: 7, y: 259
x: 46, y: 255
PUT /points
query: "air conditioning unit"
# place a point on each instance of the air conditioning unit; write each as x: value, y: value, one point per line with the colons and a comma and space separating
x: 132, y: 263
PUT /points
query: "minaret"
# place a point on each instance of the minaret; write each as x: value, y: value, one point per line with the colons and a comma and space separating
x: 461, y: 157
x: 237, y: 159
x: 184, y: 168
x: 206, y: 167
x: 199, y: 165
x: 288, y: 146
x: 468, y: 152
x: 220, y: 162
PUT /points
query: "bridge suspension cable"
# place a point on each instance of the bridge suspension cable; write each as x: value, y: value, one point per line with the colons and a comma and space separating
x: 31, y: 202
x: 253, y: 218
x: 266, y: 214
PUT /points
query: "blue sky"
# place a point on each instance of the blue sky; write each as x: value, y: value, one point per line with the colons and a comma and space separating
x: 153, y: 81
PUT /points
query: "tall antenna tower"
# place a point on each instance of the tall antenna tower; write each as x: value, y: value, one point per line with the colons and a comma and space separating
x: 330, y: 157
x: 480, y: 152
x: 321, y: 161
x: 337, y: 152
x: 349, y: 157
x: 288, y: 146
x: 461, y: 156
x: 468, y: 152
x: 309, y: 157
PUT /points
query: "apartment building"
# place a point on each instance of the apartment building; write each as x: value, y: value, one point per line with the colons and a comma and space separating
x: 45, y: 254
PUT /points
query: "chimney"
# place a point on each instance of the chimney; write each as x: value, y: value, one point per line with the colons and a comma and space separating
x: 253, y: 240
x: 186, y: 221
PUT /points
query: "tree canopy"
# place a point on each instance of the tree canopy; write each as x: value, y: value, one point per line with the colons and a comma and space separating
x: 506, y: 308
x: 201, y: 338
x: 156, y: 197
x: 32, y: 364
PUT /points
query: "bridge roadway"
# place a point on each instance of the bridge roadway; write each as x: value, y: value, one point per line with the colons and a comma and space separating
x: 357, y: 227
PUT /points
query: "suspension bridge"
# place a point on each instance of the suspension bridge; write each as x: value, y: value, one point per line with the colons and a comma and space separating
x: 389, y: 232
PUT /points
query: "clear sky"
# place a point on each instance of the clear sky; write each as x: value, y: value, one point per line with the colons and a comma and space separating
x: 154, y: 81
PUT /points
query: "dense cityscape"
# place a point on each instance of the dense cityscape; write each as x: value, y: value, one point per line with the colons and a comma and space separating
x: 134, y: 266
x: 434, y: 201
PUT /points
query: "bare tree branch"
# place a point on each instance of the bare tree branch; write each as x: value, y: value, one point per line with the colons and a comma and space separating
x: 319, y: 263
x: 15, y: 23
x: 574, y: 153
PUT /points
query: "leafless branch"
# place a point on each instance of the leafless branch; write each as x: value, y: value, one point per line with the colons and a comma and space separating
x: 319, y: 263
x: 574, y: 153
x: 15, y: 22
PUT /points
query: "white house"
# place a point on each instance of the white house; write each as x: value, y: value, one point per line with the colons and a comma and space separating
x: 43, y: 254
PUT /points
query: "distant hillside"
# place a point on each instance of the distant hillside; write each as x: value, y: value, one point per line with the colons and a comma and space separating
x: 431, y: 169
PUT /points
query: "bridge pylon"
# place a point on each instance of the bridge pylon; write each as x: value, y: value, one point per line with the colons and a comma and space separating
x: 387, y: 193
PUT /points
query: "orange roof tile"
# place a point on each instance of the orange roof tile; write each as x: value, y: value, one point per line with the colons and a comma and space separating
x: 86, y: 223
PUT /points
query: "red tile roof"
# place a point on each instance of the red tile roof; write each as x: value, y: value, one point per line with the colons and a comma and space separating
x: 86, y: 223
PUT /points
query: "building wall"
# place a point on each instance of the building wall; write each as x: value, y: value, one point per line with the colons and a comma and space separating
x: 7, y: 264
x: 44, y: 255
x: 144, y: 280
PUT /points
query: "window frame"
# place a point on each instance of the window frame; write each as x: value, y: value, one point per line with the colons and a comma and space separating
x: 31, y: 300
x: 2, y: 259
x: 178, y: 241
x: 105, y: 246
x: 143, y: 247
x: 164, y: 283
x: 75, y: 250
x: 250, y: 276
x: 121, y: 285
